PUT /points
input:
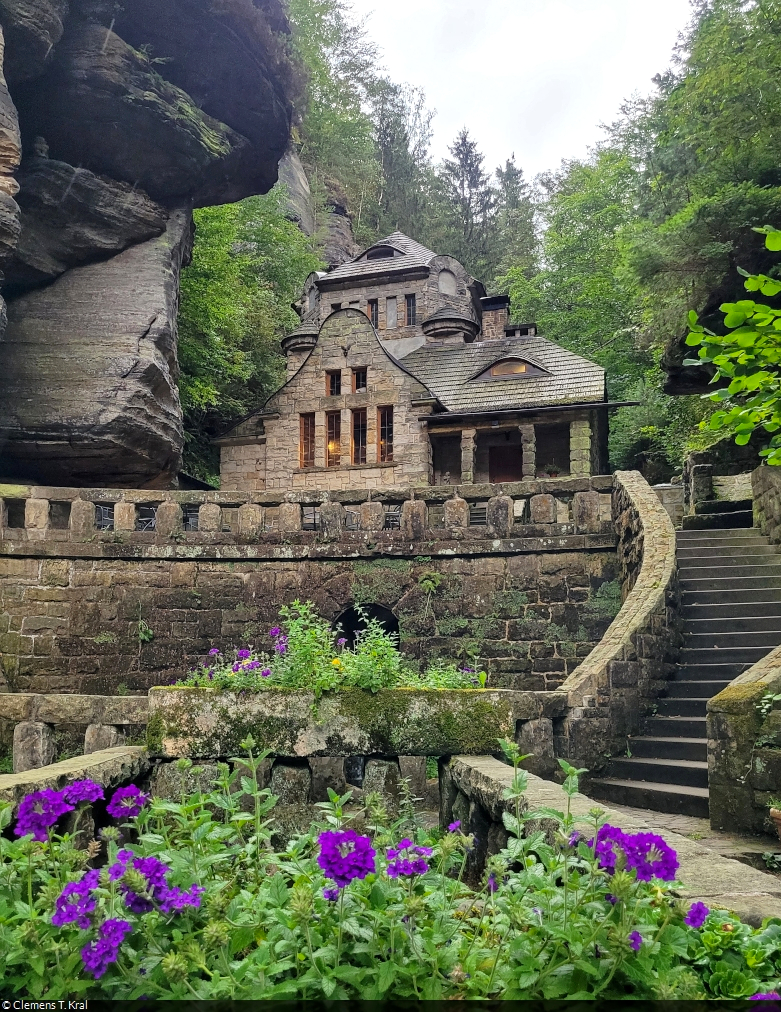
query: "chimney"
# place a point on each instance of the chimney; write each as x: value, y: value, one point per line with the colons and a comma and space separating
x: 496, y: 311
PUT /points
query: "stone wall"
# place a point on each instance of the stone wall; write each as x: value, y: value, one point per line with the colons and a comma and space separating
x: 471, y: 791
x: 617, y: 684
x: 526, y: 590
x: 766, y: 488
x: 744, y: 748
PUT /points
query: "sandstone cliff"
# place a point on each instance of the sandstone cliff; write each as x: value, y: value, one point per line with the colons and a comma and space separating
x: 116, y: 121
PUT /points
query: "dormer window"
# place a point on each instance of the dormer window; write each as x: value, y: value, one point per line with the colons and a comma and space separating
x: 380, y: 253
x: 510, y: 368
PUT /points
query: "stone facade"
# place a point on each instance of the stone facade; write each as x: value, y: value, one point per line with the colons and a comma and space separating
x: 528, y: 578
x: 472, y: 398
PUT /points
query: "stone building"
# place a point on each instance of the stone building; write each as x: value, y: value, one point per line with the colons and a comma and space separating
x: 402, y: 373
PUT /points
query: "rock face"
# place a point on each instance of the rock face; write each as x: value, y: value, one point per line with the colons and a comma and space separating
x: 130, y: 115
x: 89, y: 369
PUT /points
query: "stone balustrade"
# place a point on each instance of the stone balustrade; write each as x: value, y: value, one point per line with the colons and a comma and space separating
x: 31, y: 721
x: 144, y: 518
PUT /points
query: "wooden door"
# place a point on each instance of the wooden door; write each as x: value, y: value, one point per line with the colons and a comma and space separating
x: 505, y: 463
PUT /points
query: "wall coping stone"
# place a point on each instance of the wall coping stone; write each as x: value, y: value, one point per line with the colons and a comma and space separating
x: 110, y: 768
x: 657, y: 573
x: 71, y: 708
x: 705, y: 875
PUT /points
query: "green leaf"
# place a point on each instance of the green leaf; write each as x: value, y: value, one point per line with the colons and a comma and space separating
x: 386, y: 975
x: 773, y: 241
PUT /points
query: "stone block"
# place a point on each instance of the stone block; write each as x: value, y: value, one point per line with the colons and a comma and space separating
x: 586, y: 512
x: 327, y: 771
x: 171, y: 783
x: 414, y: 519
x: 33, y: 745
x: 289, y: 517
x: 542, y: 509
x: 36, y: 514
x: 210, y: 517
x: 331, y: 520
x: 382, y: 777
x: 456, y: 512
x: 536, y: 738
x: 82, y: 519
x: 291, y: 784
x: 499, y: 513
x: 168, y: 519
x: 250, y: 520
x: 125, y: 516
x: 372, y: 516
x: 413, y: 769
x: 100, y: 736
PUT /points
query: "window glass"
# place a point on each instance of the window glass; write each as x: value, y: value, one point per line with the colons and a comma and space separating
x: 359, y: 436
x: 512, y: 367
x: 385, y: 434
x: 333, y: 383
x: 391, y: 314
x: 307, y: 441
x: 333, y: 446
x: 410, y: 310
x: 359, y: 381
x: 374, y: 313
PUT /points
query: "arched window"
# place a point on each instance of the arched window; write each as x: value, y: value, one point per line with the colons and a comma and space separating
x: 447, y: 283
x: 353, y: 621
x: 510, y: 368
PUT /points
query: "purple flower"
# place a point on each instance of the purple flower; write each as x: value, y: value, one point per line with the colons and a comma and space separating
x: 243, y: 655
x: 98, y: 956
x: 650, y: 856
x: 211, y: 676
x: 406, y: 859
x: 611, y: 898
x: 344, y: 855
x: 764, y: 995
x: 75, y: 902
x: 273, y: 633
x: 83, y: 790
x: 168, y: 898
x: 696, y: 915
x: 117, y: 870
x: 341, y: 641
x: 574, y: 838
x: 454, y: 826
x: 265, y: 673
x: 331, y: 894
x: 236, y: 667
x: 250, y: 665
x: 175, y: 899
x: 607, y: 839
x: 492, y: 883
x: 127, y: 801
x: 636, y: 940
x: 214, y: 652
x: 39, y: 811
x: 281, y: 645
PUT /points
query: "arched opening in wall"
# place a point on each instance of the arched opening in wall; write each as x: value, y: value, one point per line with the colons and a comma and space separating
x: 448, y: 285
x: 353, y: 621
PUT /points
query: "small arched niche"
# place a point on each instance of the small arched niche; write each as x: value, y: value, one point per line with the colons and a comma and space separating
x: 353, y: 621
x: 448, y: 285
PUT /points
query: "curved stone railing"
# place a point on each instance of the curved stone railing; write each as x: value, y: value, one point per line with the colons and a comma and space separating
x: 617, y: 683
x: 744, y: 749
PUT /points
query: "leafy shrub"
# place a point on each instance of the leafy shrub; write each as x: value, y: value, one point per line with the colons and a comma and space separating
x: 306, y: 653
x: 197, y: 904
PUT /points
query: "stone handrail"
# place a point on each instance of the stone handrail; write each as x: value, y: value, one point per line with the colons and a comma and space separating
x: 608, y: 693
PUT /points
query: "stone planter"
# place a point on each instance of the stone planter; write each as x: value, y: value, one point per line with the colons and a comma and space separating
x: 209, y: 722
x: 775, y: 815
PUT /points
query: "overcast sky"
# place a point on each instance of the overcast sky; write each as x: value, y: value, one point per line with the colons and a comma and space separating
x: 534, y: 77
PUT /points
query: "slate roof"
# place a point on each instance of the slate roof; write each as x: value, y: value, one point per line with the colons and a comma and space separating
x: 450, y: 371
x: 415, y: 256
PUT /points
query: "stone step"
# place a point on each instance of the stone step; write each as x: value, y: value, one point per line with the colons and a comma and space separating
x: 714, y: 535
x: 737, y: 569
x: 652, y: 747
x: 745, y: 617
x: 710, y: 672
x: 681, y: 706
x: 673, y: 727
x: 686, y: 772
x: 716, y: 560
x: 690, y: 688
x: 729, y: 596
x: 730, y: 640
x: 724, y: 521
x: 689, y: 554
x: 710, y: 507
x: 735, y: 584
x: 722, y: 655
x: 676, y: 799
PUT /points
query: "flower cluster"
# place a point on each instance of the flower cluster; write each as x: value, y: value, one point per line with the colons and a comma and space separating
x: 127, y: 802
x: 152, y: 888
x: 697, y: 915
x: 344, y: 855
x: 76, y: 902
x: 99, y: 955
x: 39, y: 811
x: 647, y: 853
x: 407, y: 859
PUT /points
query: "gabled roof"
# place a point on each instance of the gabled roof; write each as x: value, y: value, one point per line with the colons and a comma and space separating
x: 414, y: 256
x: 450, y: 371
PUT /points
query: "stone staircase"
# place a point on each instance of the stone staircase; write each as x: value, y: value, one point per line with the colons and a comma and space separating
x: 730, y: 579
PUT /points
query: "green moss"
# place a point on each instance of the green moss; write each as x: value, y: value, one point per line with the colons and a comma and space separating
x: 605, y: 601
x: 14, y: 491
x: 154, y: 733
